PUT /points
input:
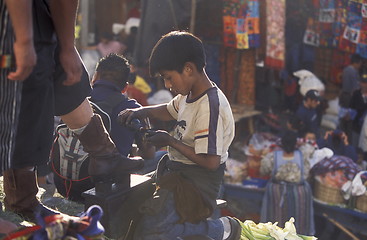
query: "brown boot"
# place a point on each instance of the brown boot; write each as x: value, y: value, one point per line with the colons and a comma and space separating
x: 20, y: 187
x: 106, y: 163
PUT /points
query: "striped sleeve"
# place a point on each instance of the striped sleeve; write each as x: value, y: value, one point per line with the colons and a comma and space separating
x: 208, y: 133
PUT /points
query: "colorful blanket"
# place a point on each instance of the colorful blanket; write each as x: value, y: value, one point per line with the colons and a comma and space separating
x: 335, y: 163
x: 241, y: 24
x: 275, y: 34
x: 339, y: 23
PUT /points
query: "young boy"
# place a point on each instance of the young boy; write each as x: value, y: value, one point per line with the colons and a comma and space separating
x: 307, y: 112
x: 188, y: 182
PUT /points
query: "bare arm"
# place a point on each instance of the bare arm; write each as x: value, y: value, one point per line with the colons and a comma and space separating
x: 208, y: 161
x: 63, y: 14
x: 20, y: 12
x: 158, y: 112
x: 162, y: 138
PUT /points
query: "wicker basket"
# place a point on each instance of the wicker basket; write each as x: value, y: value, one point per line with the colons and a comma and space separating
x: 361, y: 203
x: 328, y: 194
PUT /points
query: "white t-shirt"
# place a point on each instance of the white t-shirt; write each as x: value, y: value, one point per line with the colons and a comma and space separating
x: 205, y: 123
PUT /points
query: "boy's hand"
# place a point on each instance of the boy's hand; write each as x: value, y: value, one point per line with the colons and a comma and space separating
x: 125, y: 116
x: 159, y: 138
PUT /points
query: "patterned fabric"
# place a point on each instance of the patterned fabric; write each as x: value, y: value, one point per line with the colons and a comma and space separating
x: 241, y: 23
x: 61, y: 226
x: 323, y: 63
x: 10, y: 92
x: 283, y: 200
x: 227, y: 71
x: 289, y: 172
x: 334, y: 163
x: 246, y: 85
x: 275, y: 34
x: 339, y: 61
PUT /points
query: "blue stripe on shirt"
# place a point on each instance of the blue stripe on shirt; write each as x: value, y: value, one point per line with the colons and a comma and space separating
x: 213, y: 120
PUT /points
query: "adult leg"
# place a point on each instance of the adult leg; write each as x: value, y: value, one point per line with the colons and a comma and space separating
x: 106, y: 163
x: 20, y: 186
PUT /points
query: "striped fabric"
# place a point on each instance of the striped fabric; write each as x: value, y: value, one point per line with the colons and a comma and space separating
x: 10, y: 94
x: 283, y: 200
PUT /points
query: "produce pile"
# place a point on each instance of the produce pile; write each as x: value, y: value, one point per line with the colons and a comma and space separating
x: 270, y: 231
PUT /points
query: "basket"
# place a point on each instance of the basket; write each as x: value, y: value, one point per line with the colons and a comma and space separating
x: 361, y: 203
x: 328, y: 194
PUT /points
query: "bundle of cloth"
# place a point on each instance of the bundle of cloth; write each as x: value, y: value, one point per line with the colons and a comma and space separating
x: 356, y: 187
x: 335, y: 171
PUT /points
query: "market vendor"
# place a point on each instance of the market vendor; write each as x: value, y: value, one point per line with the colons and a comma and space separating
x: 288, y: 193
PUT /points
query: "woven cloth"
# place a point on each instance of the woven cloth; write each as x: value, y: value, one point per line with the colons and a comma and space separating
x: 241, y: 24
x: 275, y: 34
x: 334, y: 163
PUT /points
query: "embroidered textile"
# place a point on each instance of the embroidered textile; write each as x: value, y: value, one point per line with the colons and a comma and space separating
x: 275, y: 33
x: 241, y: 24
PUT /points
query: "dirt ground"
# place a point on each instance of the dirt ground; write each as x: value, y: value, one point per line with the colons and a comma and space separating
x: 49, y: 197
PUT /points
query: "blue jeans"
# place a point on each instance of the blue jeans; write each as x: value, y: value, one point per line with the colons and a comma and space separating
x: 160, y: 222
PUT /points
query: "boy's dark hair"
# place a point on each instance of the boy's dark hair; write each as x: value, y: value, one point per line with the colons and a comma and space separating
x: 313, y: 95
x: 355, y: 58
x: 289, y: 141
x: 114, y: 68
x: 175, y: 49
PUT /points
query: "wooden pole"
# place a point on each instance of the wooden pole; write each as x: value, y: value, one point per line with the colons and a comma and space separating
x: 193, y: 16
x: 341, y: 227
x: 173, y: 14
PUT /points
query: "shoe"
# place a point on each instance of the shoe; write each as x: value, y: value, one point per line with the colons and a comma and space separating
x: 235, y: 229
x: 20, y: 188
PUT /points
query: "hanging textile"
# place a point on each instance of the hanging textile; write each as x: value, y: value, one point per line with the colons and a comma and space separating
x: 326, y: 19
x: 354, y: 34
x: 340, y: 20
x: 227, y: 71
x: 320, y: 30
x: 275, y: 36
x: 241, y: 24
x: 323, y: 63
x: 246, y: 88
x: 340, y: 59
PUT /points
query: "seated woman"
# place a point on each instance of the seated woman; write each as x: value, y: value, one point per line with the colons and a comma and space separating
x: 287, y: 193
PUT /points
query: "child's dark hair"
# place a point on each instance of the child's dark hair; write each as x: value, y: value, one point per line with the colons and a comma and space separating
x: 114, y: 67
x: 175, y: 49
x: 289, y: 141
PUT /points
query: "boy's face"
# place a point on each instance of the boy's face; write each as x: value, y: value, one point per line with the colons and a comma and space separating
x: 312, y: 103
x: 177, y: 83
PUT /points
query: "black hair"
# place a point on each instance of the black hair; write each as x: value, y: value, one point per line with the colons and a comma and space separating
x: 134, y: 30
x: 115, y: 68
x: 175, y: 49
x: 355, y: 58
x: 289, y: 141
